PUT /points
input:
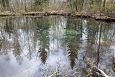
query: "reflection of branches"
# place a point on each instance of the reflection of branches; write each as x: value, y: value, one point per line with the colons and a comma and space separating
x: 42, y: 27
x: 98, y: 52
x: 72, y: 54
x: 1, y: 41
x: 43, y: 55
x: 17, y: 47
x: 29, y: 48
x: 72, y: 39
x: 113, y: 67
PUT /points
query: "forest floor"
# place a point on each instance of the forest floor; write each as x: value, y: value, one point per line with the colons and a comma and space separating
x: 100, y: 17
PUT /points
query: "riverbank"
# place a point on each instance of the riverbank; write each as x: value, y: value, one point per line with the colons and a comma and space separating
x: 98, y: 17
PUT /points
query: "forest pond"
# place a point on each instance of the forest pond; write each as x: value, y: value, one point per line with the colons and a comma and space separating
x: 40, y: 46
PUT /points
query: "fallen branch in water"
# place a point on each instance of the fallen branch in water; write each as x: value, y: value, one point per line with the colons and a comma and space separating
x: 93, y: 70
x: 96, y: 72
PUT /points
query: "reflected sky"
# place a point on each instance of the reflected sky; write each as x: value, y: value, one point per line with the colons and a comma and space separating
x: 35, y: 47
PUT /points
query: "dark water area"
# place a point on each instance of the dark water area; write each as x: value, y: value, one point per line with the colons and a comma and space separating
x: 36, y: 47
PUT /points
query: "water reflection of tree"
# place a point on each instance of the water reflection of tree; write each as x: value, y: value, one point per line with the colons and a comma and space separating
x: 72, y: 39
x: 12, y: 28
x: 42, y: 26
x: 9, y: 26
x: 6, y: 31
x: 9, y: 32
x: 92, y: 34
x: 98, y: 39
x: 17, y: 48
x: 104, y: 39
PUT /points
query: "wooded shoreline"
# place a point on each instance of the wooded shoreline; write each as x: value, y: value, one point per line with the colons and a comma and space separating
x: 99, y: 17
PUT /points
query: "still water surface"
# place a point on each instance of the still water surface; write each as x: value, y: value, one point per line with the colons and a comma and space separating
x: 39, y: 46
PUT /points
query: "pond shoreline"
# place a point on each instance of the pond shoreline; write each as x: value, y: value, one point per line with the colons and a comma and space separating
x: 99, y: 17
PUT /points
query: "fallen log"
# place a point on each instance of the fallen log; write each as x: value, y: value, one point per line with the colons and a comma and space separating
x: 108, y: 19
x: 81, y: 15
